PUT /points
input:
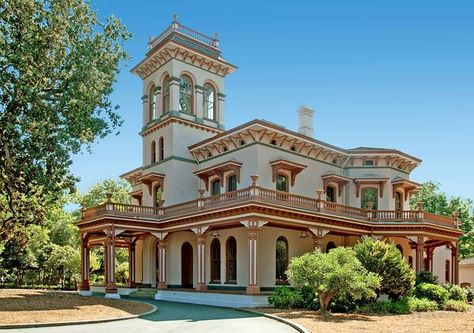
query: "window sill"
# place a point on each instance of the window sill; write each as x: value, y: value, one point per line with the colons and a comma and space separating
x: 230, y: 282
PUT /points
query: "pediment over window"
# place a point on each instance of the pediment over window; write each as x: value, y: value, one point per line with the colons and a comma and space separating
x: 408, y: 187
x: 379, y: 182
x: 152, y: 178
x: 219, y: 170
x: 341, y: 181
x: 282, y: 164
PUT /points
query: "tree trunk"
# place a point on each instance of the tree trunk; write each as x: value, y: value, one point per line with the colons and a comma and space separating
x: 324, y: 301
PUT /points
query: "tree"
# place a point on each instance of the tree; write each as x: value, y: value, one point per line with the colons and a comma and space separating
x: 437, y: 202
x: 385, y: 260
x: 58, y: 63
x: 97, y: 194
x: 333, y: 275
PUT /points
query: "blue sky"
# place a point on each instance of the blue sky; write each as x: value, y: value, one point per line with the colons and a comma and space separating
x: 394, y: 74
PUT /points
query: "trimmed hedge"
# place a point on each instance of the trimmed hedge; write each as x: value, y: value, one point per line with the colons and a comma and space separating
x: 432, y: 292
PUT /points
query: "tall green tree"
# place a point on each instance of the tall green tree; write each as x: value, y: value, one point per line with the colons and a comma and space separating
x: 58, y: 63
x: 437, y: 202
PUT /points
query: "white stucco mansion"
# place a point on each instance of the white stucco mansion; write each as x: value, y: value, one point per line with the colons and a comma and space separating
x: 217, y: 214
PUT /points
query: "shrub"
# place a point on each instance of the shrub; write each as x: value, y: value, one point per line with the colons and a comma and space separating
x: 333, y: 275
x: 401, y: 306
x: 456, y: 293
x: 422, y: 305
x: 426, y: 277
x: 345, y: 304
x: 310, y: 301
x: 458, y: 306
x: 384, y: 259
x: 470, y: 295
x: 285, y: 298
x: 432, y: 292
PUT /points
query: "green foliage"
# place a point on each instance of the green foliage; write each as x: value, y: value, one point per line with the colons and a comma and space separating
x: 470, y: 294
x: 422, y: 305
x: 285, y: 298
x: 402, y: 306
x: 98, y: 193
x: 384, y: 259
x: 58, y: 64
x: 456, y: 293
x: 432, y: 292
x: 310, y: 301
x: 438, y: 202
x: 426, y: 277
x: 458, y: 306
x: 333, y: 275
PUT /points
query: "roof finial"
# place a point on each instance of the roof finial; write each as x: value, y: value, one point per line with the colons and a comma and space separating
x: 175, y: 18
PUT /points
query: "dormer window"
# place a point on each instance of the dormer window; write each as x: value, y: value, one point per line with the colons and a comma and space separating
x: 368, y: 163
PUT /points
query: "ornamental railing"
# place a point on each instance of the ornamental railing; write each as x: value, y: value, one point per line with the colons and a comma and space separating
x: 259, y: 194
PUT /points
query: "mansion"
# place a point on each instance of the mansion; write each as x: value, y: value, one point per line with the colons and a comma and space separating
x: 217, y: 214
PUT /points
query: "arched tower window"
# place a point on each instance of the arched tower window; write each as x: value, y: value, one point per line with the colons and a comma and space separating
x: 231, y: 260
x: 152, y: 99
x: 185, y: 94
x: 281, y: 259
x: 153, y: 152
x: 162, y: 148
x: 330, y: 246
x: 369, y: 198
x: 281, y: 183
x: 231, y: 183
x: 209, y: 102
x: 166, y: 94
x: 215, y: 261
x: 330, y: 194
x: 216, y: 187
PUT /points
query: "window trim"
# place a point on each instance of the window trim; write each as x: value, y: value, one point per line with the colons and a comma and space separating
x: 283, y: 262
x: 215, y: 263
x: 205, y: 101
x: 161, y: 149
x: 334, y: 193
x: 228, y: 182
x: 153, y: 152
x: 191, y: 93
x: 213, y: 181
x: 280, y: 174
x: 228, y: 272
x: 152, y: 102
x: 166, y: 95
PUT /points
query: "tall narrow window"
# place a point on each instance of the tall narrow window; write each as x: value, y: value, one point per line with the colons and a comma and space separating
x: 330, y: 194
x: 153, y: 152
x: 185, y: 94
x: 215, y: 261
x: 209, y: 102
x: 162, y: 148
x: 410, y: 261
x: 369, y: 198
x: 166, y: 94
x: 398, y: 201
x: 400, y: 248
x: 281, y: 183
x: 330, y: 246
x: 447, y: 271
x: 157, y: 196
x: 152, y: 101
x: 231, y: 260
x: 231, y: 183
x: 281, y: 259
x: 216, y: 187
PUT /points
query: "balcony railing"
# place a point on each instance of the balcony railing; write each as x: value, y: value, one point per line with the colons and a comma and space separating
x: 264, y: 195
x: 188, y: 32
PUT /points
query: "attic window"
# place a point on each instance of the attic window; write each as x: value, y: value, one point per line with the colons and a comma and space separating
x: 273, y: 142
x: 368, y: 162
x: 293, y: 148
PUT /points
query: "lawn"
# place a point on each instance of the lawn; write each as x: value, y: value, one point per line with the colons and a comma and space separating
x: 19, y: 306
x: 429, y: 322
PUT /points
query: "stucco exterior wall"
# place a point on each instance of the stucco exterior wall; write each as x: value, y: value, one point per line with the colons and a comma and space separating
x: 466, y: 274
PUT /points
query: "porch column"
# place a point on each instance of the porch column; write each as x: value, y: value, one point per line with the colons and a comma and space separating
x: 84, y: 287
x: 318, y: 237
x: 162, y: 264
x: 109, y: 252
x: 429, y: 256
x: 201, y: 257
x: 131, y: 265
x: 253, y: 236
x: 454, y: 264
x: 420, y: 252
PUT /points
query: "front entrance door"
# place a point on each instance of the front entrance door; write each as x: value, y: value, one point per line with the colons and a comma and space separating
x: 186, y: 266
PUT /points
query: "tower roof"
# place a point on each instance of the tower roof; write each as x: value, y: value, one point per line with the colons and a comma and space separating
x: 186, y: 44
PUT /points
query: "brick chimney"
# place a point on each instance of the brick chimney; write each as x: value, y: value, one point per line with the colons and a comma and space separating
x: 305, y: 118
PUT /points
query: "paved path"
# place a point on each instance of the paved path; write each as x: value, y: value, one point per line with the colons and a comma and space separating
x: 178, y: 317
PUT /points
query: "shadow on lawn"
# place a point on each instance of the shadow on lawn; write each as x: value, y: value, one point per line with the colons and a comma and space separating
x: 333, y: 318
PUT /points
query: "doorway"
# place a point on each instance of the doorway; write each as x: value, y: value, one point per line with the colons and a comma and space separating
x: 186, y: 266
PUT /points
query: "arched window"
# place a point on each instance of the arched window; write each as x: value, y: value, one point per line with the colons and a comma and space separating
x: 231, y: 183
x: 447, y: 271
x: 216, y: 187
x: 185, y: 94
x: 166, y: 94
x: 215, y: 261
x: 152, y: 103
x: 209, y: 102
x: 231, y: 260
x: 330, y: 194
x: 282, y: 183
x: 398, y: 201
x: 157, y: 195
x: 281, y: 259
x: 330, y: 246
x: 162, y: 148
x: 369, y: 198
x: 153, y: 152
x: 400, y: 248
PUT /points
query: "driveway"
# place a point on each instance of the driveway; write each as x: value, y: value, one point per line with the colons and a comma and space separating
x: 178, y: 317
